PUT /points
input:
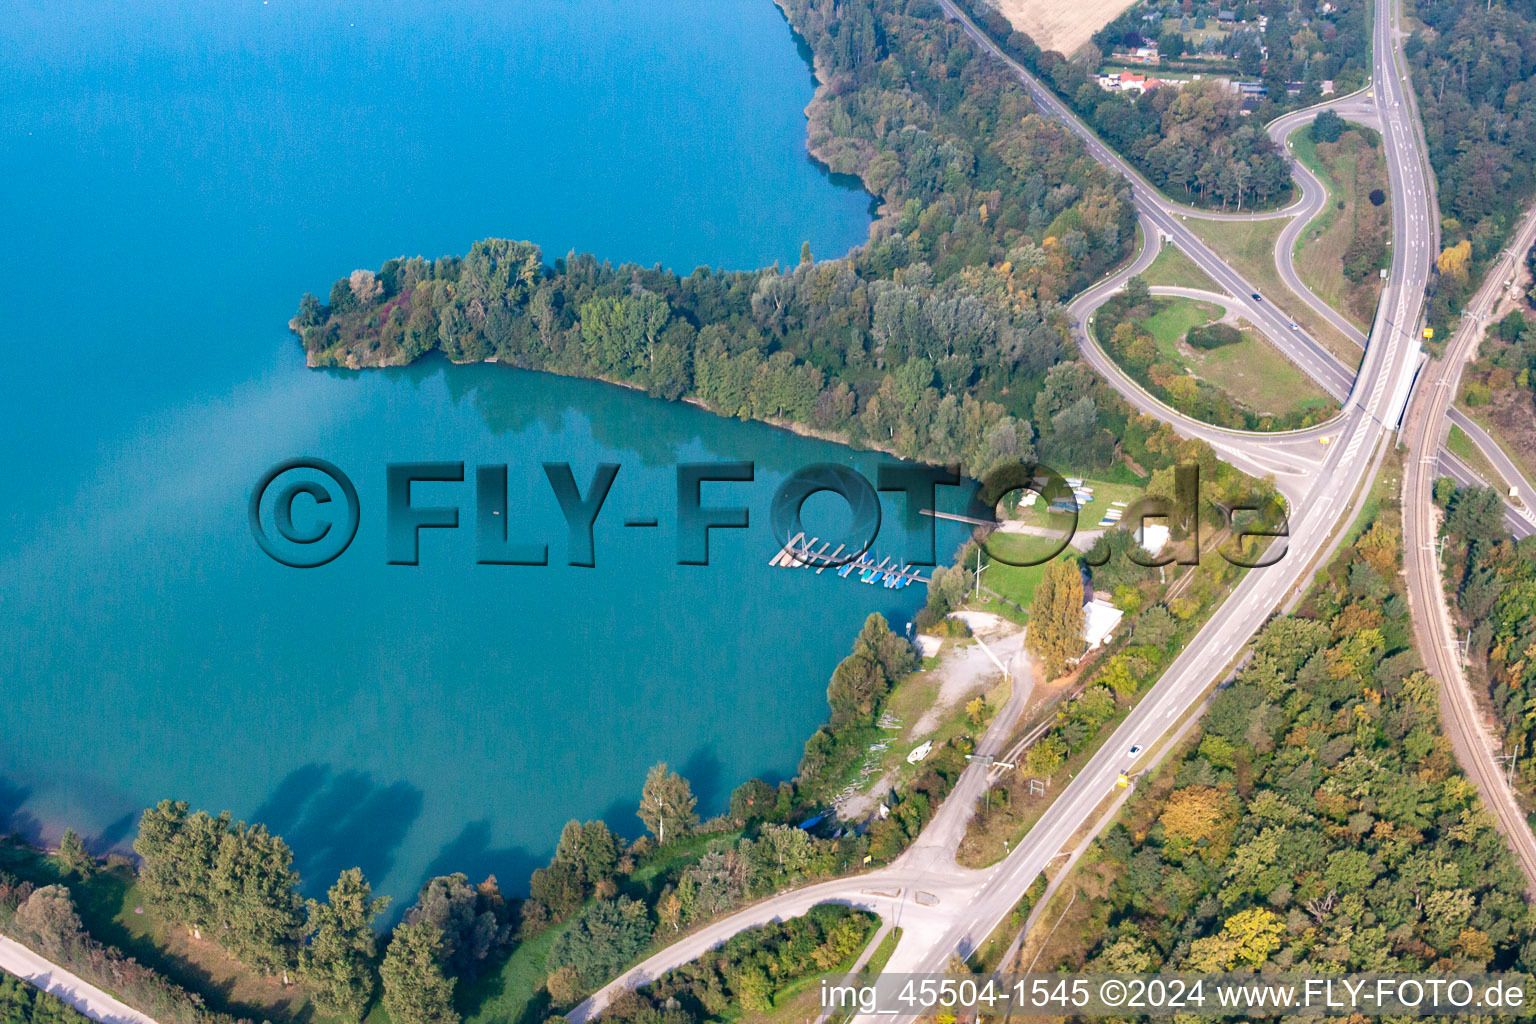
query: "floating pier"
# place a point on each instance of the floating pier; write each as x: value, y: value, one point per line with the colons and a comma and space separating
x: 803, y: 553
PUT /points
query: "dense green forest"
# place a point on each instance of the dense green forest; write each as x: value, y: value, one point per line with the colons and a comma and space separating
x: 1494, y: 578
x: 1319, y: 821
x: 1472, y: 66
x: 1195, y: 142
x: 20, y: 1003
x: 931, y: 341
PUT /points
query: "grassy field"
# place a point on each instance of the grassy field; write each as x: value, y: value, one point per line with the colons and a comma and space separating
x: 1258, y: 376
x: 1251, y: 371
x: 1173, y: 320
x: 1017, y: 583
x: 512, y: 993
x: 1351, y: 168
x: 1249, y: 245
x: 1174, y: 269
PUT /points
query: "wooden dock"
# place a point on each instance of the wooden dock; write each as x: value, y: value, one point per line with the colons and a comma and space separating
x: 803, y: 553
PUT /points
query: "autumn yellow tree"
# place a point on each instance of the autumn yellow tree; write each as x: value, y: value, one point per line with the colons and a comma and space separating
x: 1453, y: 259
x: 1056, y: 618
x: 1246, y: 938
x: 1196, y: 813
x: 1046, y: 757
x: 1379, y: 546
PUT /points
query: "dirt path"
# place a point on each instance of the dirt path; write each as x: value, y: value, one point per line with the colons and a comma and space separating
x: 965, y: 671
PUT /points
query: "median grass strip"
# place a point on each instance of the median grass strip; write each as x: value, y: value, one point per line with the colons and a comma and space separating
x: 1249, y: 245
x: 1464, y: 448
x: 1174, y: 269
x: 1338, y: 253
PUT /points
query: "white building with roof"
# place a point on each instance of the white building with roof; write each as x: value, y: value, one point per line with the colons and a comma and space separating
x: 1100, y: 620
x: 1153, y: 537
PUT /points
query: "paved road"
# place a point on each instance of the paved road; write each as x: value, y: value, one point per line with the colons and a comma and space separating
x: 83, y: 996
x: 1368, y: 418
x: 1355, y: 107
x: 1424, y: 434
x: 1161, y: 218
x: 952, y: 910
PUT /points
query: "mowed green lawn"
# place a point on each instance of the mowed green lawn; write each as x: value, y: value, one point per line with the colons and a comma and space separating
x: 1104, y: 494
x: 1173, y: 320
x: 1017, y: 582
x: 1173, y: 269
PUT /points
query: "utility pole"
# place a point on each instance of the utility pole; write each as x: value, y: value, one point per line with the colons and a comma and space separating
x: 979, y: 570
x: 1462, y: 646
x: 1507, y: 762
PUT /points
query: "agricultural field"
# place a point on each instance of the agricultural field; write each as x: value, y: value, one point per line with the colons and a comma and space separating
x: 1060, y: 25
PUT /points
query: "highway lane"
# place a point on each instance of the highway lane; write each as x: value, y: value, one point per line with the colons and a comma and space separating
x: 1163, y: 219
x: 1315, y: 197
x: 1293, y: 458
x: 952, y: 909
x: 1434, y: 631
x: 1366, y: 423
x: 1157, y: 212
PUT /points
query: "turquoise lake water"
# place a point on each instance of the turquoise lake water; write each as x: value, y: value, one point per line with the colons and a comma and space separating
x: 177, y: 173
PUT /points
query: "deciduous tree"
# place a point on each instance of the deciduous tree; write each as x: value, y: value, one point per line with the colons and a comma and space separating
x: 667, y: 804
x: 1055, y: 634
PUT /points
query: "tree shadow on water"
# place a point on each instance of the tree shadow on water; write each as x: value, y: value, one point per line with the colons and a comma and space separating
x: 471, y: 854
x: 12, y: 818
x: 116, y: 836
x: 706, y: 774
x: 339, y: 820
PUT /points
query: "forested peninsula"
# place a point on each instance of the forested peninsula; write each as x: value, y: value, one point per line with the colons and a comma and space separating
x: 935, y: 340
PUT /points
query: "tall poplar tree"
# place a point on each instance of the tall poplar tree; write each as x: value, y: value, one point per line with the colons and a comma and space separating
x: 256, y: 892
x: 1056, y: 617
x: 180, y: 851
